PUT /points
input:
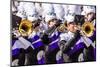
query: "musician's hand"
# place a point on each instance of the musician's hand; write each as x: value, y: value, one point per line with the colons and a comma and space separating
x: 16, y: 33
x: 62, y: 44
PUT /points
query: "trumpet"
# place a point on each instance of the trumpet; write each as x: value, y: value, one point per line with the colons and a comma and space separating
x: 88, y: 29
x: 62, y: 27
x: 25, y: 27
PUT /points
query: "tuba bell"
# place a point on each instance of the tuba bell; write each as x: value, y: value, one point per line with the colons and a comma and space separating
x: 25, y: 27
x: 88, y: 29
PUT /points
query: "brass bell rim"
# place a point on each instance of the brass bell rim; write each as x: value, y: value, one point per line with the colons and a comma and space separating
x: 91, y: 28
x: 28, y: 24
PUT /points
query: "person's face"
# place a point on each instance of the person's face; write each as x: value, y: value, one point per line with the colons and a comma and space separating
x: 51, y: 23
x: 89, y: 17
x: 72, y: 27
x: 36, y: 26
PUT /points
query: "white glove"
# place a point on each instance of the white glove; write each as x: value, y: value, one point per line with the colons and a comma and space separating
x: 16, y: 33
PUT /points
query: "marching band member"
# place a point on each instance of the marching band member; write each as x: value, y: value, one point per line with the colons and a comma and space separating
x: 68, y: 40
x: 16, y: 52
x: 39, y: 10
x: 47, y: 9
x: 34, y: 10
x: 32, y: 46
x: 52, y: 35
x: 89, y: 13
x: 38, y: 53
x: 59, y: 10
x: 19, y: 47
x: 82, y: 51
x: 26, y: 46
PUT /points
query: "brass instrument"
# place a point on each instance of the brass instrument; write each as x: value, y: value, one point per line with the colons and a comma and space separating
x: 25, y: 27
x: 62, y: 27
x: 88, y: 29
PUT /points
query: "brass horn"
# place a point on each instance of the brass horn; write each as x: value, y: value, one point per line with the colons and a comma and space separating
x: 25, y: 27
x: 62, y: 27
x: 88, y: 29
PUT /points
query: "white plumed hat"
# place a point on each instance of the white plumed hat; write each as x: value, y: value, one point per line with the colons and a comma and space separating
x: 69, y: 18
x: 74, y: 9
x: 21, y: 11
x: 59, y: 10
x: 47, y: 8
x: 39, y: 8
x: 88, y: 9
x: 48, y: 12
x: 50, y: 16
x: 31, y: 12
